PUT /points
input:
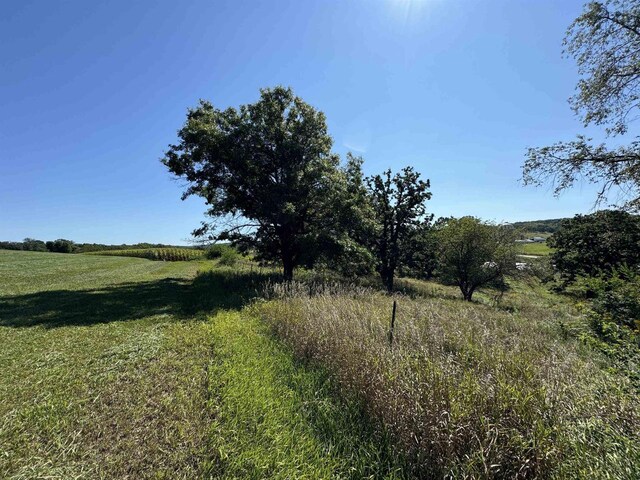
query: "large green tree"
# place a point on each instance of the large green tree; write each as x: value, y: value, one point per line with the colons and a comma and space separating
x: 265, y: 170
x: 473, y: 253
x: 605, y: 42
x: 399, y: 206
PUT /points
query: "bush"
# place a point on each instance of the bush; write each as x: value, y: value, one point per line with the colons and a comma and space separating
x: 33, y: 245
x: 217, y: 250
x: 229, y: 257
x: 612, y: 305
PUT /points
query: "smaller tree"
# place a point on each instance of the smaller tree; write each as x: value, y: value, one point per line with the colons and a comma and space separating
x: 398, y: 203
x: 473, y: 253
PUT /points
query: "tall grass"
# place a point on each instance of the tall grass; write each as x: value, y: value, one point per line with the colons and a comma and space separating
x: 162, y: 254
x: 467, y: 390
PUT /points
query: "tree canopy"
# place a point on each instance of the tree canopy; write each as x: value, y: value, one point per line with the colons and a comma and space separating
x: 596, y: 243
x: 265, y: 168
x: 473, y: 253
x: 399, y: 206
x: 605, y: 42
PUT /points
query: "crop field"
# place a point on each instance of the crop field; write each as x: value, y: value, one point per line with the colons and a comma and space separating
x: 163, y: 254
x: 117, y: 367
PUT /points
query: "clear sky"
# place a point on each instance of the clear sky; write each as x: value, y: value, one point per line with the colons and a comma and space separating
x: 91, y: 94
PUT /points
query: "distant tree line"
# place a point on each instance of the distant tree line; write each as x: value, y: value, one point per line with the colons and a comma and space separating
x: 539, y: 226
x: 62, y: 245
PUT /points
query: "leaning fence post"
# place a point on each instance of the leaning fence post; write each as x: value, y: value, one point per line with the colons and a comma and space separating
x: 393, y: 324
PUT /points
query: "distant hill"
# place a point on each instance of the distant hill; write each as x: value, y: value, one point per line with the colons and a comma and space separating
x: 542, y: 226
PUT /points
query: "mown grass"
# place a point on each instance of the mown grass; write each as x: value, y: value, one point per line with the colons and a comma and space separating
x: 115, y: 367
x: 274, y: 418
x: 470, y: 390
x: 539, y: 249
x: 100, y: 377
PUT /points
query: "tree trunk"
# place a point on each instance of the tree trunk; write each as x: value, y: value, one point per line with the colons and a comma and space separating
x: 287, y: 267
x: 386, y: 276
x: 467, y: 292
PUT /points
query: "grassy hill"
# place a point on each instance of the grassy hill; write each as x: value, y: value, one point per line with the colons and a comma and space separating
x: 116, y: 367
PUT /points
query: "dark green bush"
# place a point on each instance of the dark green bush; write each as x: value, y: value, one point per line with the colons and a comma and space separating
x: 61, y: 246
x: 217, y: 250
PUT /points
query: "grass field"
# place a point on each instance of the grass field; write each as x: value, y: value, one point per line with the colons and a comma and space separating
x: 116, y: 367
x: 535, y: 249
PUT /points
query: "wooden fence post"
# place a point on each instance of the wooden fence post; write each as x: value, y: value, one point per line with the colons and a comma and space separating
x: 393, y: 324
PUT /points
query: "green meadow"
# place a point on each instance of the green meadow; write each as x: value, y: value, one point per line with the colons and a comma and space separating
x: 116, y: 367
x: 120, y: 367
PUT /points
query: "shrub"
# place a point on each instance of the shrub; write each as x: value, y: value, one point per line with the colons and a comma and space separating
x: 612, y: 305
x: 217, y: 250
x: 34, y: 245
x: 229, y: 257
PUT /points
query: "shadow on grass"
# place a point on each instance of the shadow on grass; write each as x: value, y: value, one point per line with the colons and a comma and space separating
x: 181, y: 298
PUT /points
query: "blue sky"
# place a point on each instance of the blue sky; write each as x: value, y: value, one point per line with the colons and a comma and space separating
x: 91, y: 94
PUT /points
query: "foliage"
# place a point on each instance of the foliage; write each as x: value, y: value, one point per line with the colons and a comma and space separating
x: 11, y: 246
x: 473, y: 253
x: 346, y: 225
x: 229, y: 257
x: 600, y: 242
x: 61, y: 246
x: 398, y: 203
x: 95, y: 247
x: 419, y: 250
x: 539, y: 226
x: 217, y: 250
x: 269, y: 163
x: 612, y: 305
x: 162, y: 254
x: 33, y: 245
x: 467, y: 390
x: 605, y: 42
